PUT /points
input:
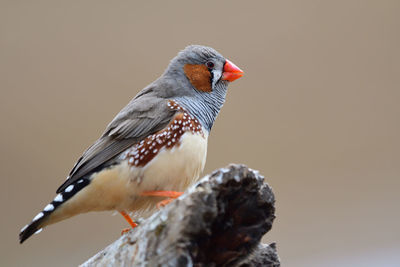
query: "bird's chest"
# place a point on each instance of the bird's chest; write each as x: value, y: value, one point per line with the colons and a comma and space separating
x: 174, y: 168
x: 171, y: 159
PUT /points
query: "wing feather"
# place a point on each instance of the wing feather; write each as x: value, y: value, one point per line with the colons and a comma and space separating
x: 143, y: 116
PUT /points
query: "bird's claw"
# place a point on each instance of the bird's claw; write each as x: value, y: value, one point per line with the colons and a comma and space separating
x: 125, y: 230
x: 164, y: 203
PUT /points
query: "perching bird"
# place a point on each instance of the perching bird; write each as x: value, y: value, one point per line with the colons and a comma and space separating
x: 155, y: 146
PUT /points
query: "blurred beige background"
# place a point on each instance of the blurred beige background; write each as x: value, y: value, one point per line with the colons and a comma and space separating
x: 317, y: 113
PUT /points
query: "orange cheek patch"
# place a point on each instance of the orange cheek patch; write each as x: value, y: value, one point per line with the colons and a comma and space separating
x: 199, y: 76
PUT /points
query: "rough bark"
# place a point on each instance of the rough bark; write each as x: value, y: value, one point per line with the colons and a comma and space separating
x: 217, y: 222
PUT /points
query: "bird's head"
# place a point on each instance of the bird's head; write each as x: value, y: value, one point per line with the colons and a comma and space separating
x: 203, y: 68
x: 197, y: 78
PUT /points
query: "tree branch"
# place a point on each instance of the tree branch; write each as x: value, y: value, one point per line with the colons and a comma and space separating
x: 217, y: 222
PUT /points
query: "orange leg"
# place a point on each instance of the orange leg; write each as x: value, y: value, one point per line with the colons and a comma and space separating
x: 129, y: 220
x: 171, y: 195
x: 164, y: 202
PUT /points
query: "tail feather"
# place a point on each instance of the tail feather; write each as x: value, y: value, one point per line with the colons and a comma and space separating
x: 42, y: 218
x: 31, y: 229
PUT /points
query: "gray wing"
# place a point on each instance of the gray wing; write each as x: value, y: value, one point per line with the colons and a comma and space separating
x: 143, y: 116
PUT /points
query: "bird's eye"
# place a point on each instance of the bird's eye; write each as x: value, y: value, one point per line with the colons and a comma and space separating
x: 210, y: 64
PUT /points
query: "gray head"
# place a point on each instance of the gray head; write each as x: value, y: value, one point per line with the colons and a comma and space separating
x: 197, y: 79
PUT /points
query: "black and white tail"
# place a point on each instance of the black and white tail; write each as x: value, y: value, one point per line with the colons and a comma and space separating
x: 43, y: 218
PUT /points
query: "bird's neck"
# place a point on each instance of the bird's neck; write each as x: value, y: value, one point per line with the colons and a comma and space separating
x: 205, y: 106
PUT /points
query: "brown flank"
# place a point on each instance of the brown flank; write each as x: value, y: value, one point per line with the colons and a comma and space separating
x: 140, y: 154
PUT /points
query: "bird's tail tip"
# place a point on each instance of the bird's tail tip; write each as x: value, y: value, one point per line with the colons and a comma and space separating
x: 43, y: 218
x: 30, y: 229
x: 37, y: 223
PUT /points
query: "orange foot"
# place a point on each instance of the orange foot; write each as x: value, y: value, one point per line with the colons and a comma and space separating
x: 171, y: 195
x: 129, y: 220
x: 125, y: 230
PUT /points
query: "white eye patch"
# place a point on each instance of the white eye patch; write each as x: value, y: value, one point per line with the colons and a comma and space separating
x: 216, y: 76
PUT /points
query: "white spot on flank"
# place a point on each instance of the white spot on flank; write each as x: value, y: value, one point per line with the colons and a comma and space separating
x: 69, y: 188
x: 58, y: 198
x: 38, y: 231
x: 38, y: 216
x: 169, y: 143
x: 49, y: 207
x: 24, y: 228
x: 155, y: 150
x: 80, y: 181
x: 130, y: 160
x: 136, y: 162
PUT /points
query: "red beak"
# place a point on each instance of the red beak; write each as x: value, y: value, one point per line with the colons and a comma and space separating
x: 231, y: 72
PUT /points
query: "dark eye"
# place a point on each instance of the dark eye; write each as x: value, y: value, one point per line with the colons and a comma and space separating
x: 210, y: 64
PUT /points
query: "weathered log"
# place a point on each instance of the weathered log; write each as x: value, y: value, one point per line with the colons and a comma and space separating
x: 217, y: 222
